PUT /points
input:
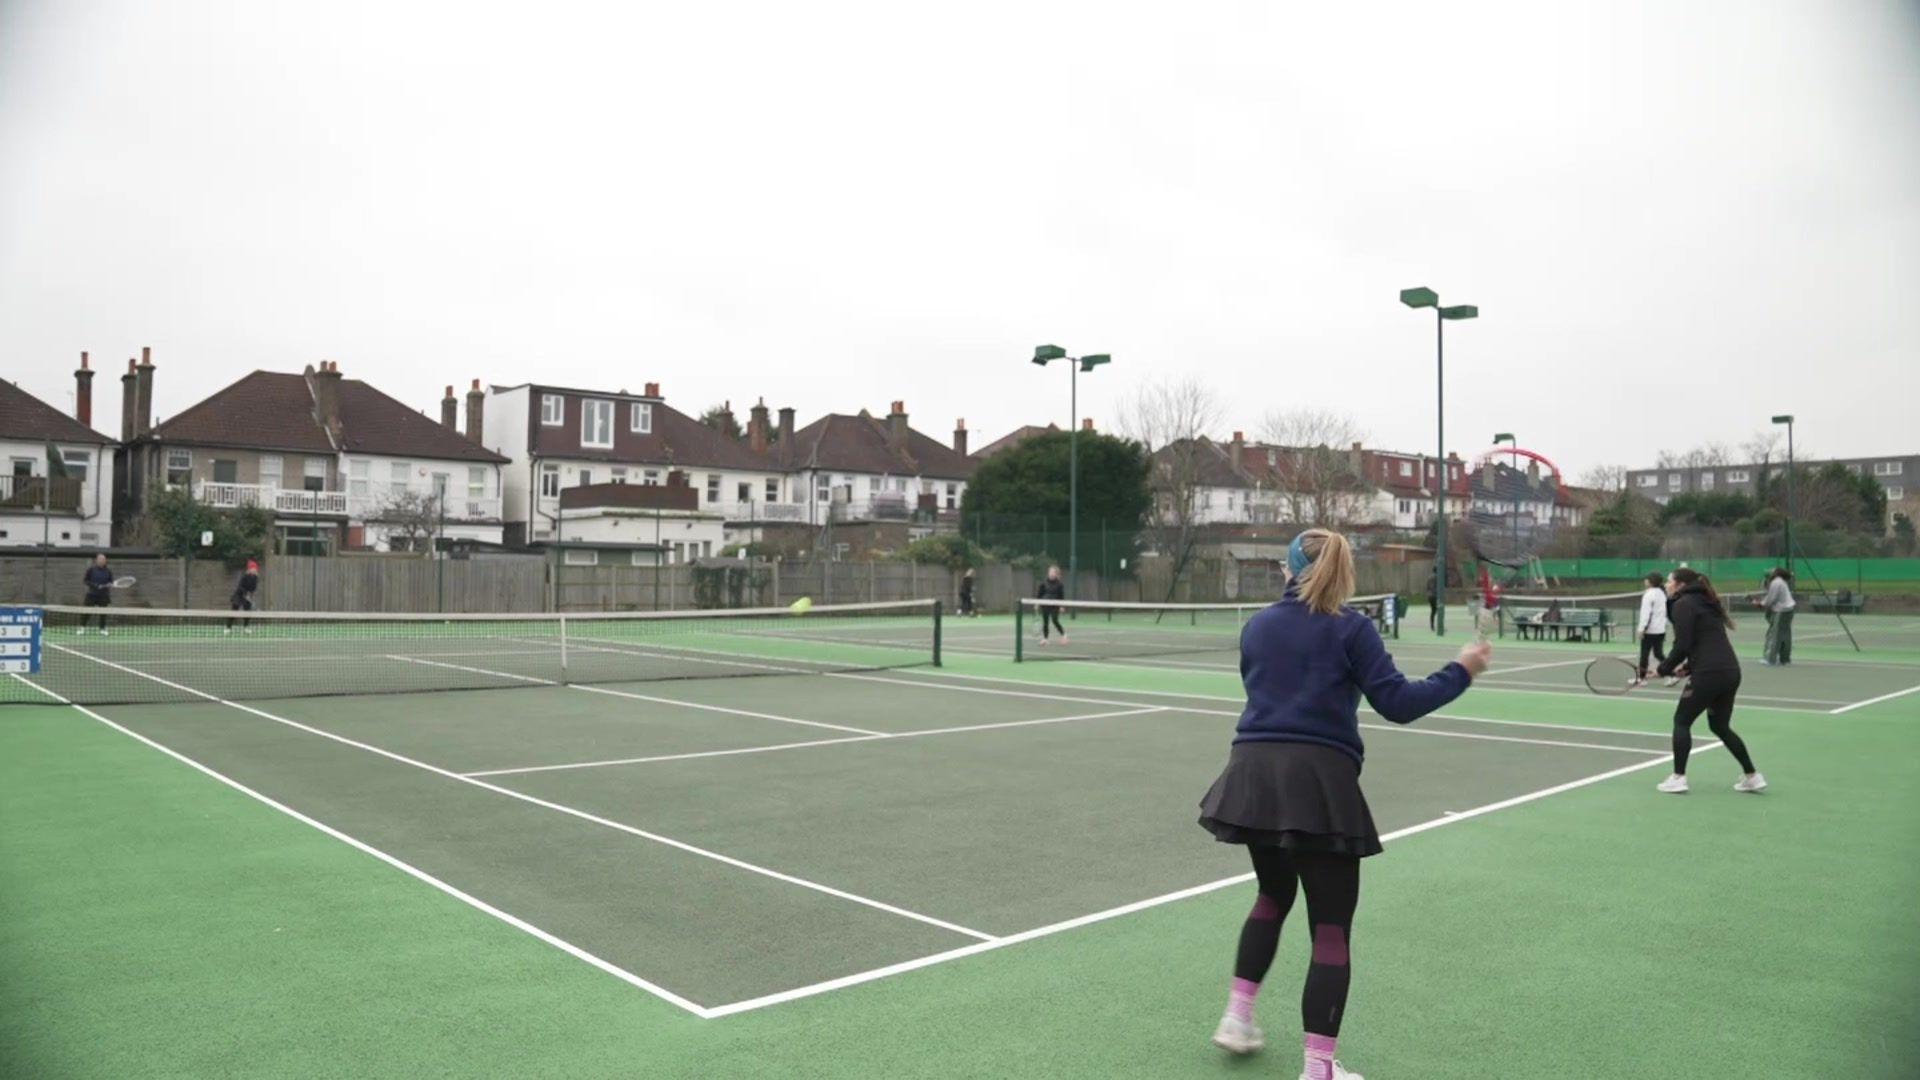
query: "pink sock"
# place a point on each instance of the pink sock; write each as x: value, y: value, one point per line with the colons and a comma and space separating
x: 1240, y: 1000
x: 1320, y: 1057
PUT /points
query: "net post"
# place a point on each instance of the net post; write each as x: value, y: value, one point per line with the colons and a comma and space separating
x: 1019, y: 630
x: 936, y: 632
x: 563, y: 648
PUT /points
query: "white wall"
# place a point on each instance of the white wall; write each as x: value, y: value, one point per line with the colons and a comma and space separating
x: 503, y: 430
x: 94, y: 526
x: 602, y: 525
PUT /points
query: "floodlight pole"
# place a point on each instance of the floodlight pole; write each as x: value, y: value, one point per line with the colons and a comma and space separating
x: 1419, y: 297
x: 1043, y: 355
x: 1788, y: 420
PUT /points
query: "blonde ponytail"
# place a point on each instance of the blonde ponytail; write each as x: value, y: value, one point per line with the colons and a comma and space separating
x: 1328, y: 581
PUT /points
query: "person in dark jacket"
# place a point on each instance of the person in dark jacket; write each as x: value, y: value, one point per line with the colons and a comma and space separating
x: 243, y: 591
x: 99, y: 582
x: 1291, y: 788
x: 1700, y: 648
x: 966, y: 593
x: 1433, y: 602
x: 1052, y: 588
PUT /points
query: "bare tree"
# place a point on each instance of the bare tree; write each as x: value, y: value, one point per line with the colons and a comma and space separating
x: 1171, y: 418
x: 1316, y: 474
x: 412, y: 517
x: 1605, y: 478
x: 1709, y: 456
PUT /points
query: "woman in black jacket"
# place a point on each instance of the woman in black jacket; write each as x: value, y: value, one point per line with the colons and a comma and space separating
x: 1700, y: 646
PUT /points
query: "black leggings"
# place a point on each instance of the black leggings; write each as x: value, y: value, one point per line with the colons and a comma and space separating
x: 1051, y: 615
x: 1710, y: 692
x: 1433, y: 613
x: 100, y: 600
x: 1332, y: 885
x: 1654, y: 645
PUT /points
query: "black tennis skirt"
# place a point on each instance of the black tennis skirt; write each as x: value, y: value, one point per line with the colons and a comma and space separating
x: 1300, y: 796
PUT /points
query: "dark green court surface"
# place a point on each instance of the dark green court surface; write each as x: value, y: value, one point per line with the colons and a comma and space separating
x: 982, y: 869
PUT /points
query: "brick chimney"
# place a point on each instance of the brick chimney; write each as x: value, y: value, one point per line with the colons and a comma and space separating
x: 1234, y: 448
x: 1086, y: 424
x: 450, y: 410
x: 143, y: 393
x: 83, y: 393
x: 128, y: 395
x: 786, y: 427
x: 652, y: 390
x: 960, y: 436
x: 757, y: 427
x: 476, y: 410
x: 324, y: 382
x: 897, y: 426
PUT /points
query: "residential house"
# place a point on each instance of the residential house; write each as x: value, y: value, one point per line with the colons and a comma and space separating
x: 559, y: 438
x: 868, y: 468
x: 1008, y: 441
x: 1403, y: 486
x: 339, y: 464
x: 1898, y: 473
x: 643, y: 524
x: 58, y: 485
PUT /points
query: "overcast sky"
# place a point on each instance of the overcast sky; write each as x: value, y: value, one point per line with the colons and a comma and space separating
x: 1677, y: 219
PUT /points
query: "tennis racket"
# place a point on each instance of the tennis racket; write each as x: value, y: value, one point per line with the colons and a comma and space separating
x: 1611, y: 676
x: 125, y: 582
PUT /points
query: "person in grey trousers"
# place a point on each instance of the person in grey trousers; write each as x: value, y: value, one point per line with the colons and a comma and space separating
x: 1779, y: 605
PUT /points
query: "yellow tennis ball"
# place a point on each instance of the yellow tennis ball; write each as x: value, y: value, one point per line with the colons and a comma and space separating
x: 801, y: 606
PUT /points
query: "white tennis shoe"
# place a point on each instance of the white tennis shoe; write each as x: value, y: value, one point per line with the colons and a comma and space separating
x: 1238, y: 1036
x: 1752, y: 782
x: 1674, y: 785
x: 1339, y: 1073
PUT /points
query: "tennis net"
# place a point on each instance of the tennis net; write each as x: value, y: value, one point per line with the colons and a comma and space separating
x: 1524, y: 614
x: 152, y: 656
x: 1111, y: 630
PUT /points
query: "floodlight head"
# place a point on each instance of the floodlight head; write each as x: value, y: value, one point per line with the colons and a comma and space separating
x: 1419, y: 297
x: 1460, y: 311
x: 1088, y: 363
x: 1505, y: 436
x: 1044, y: 353
x: 1788, y: 419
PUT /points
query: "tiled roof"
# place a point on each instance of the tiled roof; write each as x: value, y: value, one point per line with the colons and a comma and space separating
x: 863, y: 444
x: 675, y: 438
x: 274, y: 411
x: 1013, y: 438
x: 26, y: 418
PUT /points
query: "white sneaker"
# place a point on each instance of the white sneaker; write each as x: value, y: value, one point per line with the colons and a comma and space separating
x: 103, y: 631
x: 1238, y: 1036
x: 1339, y: 1073
x: 80, y: 631
x: 1672, y: 680
x: 1752, y: 782
x: 1063, y: 639
x: 227, y: 630
x: 1674, y: 785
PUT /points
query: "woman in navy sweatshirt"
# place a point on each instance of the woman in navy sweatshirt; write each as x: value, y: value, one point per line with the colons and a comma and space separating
x: 1291, y: 788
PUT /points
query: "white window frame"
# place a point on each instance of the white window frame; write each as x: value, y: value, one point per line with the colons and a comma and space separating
x: 640, y: 418
x: 1896, y: 492
x: 772, y: 489
x: 1888, y: 468
x: 1674, y: 480
x: 1737, y: 476
x: 78, y: 460
x: 1406, y: 468
x: 743, y: 491
x: 400, y: 473
x: 476, y: 481
x: 953, y: 496
x: 553, y: 410
x: 273, y: 468
x: 549, y: 472
x: 359, y: 477
x: 585, y: 476
x: 314, y: 468
x: 1706, y: 480
x: 596, y: 417
x: 179, y: 460
x: 650, y: 477
x: 617, y: 474
x: 580, y: 557
x: 713, y: 487
x: 1647, y: 480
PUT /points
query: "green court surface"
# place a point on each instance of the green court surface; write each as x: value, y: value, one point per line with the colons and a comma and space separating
x: 980, y: 869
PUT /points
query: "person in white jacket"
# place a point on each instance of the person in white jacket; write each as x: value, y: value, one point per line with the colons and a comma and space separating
x: 1779, y: 604
x: 1651, y: 626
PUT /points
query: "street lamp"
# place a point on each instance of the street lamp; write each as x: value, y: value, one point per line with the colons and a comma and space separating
x: 1788, y: 420
x: 1044, y: 355
x: 1423, y: 297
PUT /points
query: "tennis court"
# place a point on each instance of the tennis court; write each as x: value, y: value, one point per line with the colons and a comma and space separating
x: 783, y: 828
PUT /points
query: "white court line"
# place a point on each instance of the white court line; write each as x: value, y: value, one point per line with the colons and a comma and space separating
x: 582, y: 815
x: 642, y: 697
x: 1534, y: 667
x: 897, y: 681
x: 1875, y: 701
x: 1142, y: 711
x: 410, y: 870
x: 810, y: 990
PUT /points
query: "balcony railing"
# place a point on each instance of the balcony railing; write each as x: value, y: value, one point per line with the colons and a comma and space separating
x: 280, y: 500
x: 57, y: 495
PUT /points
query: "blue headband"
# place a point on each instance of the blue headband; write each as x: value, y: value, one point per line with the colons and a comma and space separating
x: 1297, y: 558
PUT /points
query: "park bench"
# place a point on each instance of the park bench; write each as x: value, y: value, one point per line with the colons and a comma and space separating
x: 1574, y: 624
x: 1845, y: 601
